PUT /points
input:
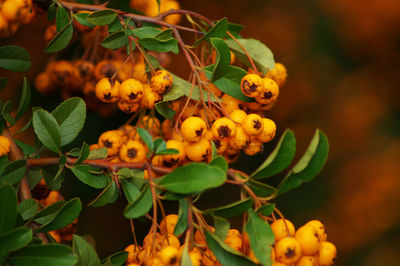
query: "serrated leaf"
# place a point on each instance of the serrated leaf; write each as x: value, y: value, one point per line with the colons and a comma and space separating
x: 146, y: 137
x: 309, y: 165
x: 27, y: 208
x: 23, y: 100
x: 280, y: 158
x: 115, y: 40
x: 70, y: 115
x: 14, y: 58
x: 8, y: 208
x: 83, y: 154
x: 87, y: 256
x: 182, y: 222
x: 108, y: 195
x: 14, y: 240
x: 231, y: 210
x: 85, y: 174
x: 102, y: 17
x: 220, y: 162
x: 13, y: 173
x: 61, y: 39
x: 47, y: 129
x: 261, y: 237
x: 62, y: 18
x: 193, y: 178
x: 222, y: 60
x: 221, y: 226
x: 261, y: 54
x: 140, y: 206
x: 218, y: 30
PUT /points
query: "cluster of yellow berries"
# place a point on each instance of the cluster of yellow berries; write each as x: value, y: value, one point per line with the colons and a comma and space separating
x: 132, y: 94
x: 151, y: 8
x: 13, y: 13
x: 4, y: 145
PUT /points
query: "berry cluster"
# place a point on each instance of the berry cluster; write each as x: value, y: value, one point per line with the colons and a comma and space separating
x: 13, y: 13
x: 4, y: 145
x: 151, y: 8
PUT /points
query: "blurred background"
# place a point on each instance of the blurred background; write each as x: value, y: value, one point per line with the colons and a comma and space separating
x: 343, y: 62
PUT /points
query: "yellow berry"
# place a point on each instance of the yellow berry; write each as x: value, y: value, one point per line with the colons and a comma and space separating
x: 253, y: 125
x: 133, y: 252
x: 168, y: 223
x: 111, y: 140
x: 131, y: 90
x: 268, y: 132
x: 193, y: 128
x: 251, y: 85
x: 149, y: 98
x: 322, y: 236
x: 307, y: 261
x: 278, y: 73
x: 270, y: 92
x: 253, y: 147
x: 288, y: 250
x: 238, y: 116
x: 221, y: 145
x: 161, y: 81
x: 107, y: 90
x: 4, y: 145
x: 223, y: 128
x: 282, y: 228
x: 128, y: 107
x: 133, y: 151
x: 169, y: 256
x: 240, y: 140
x: 327, y: 253
x: 307, y: 236
x: 198, y: 151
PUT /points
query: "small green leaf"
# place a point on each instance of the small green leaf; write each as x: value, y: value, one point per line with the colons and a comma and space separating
x: 193, y: 178
x: 116, y: 259
x: 261, y: 54
x: 261, y: 189
x: 13, y: 173
x: 140, y: 206
x: 46, y: 255
x: 3, y: 83
x: 62, y: 18
x: 47, y: 129
x: 84, y: 153
x: 225, y: 254
x: 28, y: 208
x: 308, y: 166
x: 280, y: 158
x: 261, y: 237
x: 85, y: 174
x: 218, y: 30
x: 47, y: 214
x: 115, y: 40
x: 81, y: 19
x: 98, y: 154
x: 65, y: 216
x: 54, y: 176
x: 220, y: 162
x: 14, y: 240
x: 6, y: 112
x: 23, y: 100
x: 115, y: 26
x: 146, y: 32
x: 146, y: 137
x: 70, y: 115
x: 223, y: 58
x: 8, y: 208
x: 102, y: 17
x: 14, y: 58
x: 185, y: 260
x: 25, y: 127
x: 34, y: 177
x: 61, y: 39
x: 163, y: 46
x: 167, y: 152
x: 235, y: 29
x: 182, y: 222
x: 231, y: 210
x: 87, y: 256
x: 221, y: 226
x: 266, y: 209
x: 131, y: 191
x: 164, y: 110
x: 108, y: 195
x: 51, y: 12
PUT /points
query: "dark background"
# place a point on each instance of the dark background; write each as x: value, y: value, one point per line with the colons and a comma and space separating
x: 343, y: 62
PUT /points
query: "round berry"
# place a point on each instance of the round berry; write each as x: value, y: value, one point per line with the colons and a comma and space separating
x: 270, y: 92
x: 223, y: 128
x: 282, y: 228
x: 107, y: 90
x: 193, y: 129
x: 131, y: 90
x: 161, y: 81
x: 251, y: 85
x: 321, y: 230
x: 307, y: 236
x: 112, y: 140
x: 278, y: 73
x: 253, y: 125
x: 268, y: 132
x: 175, y: 158
x: 288, y: 250
x: 133, y: 151
x: 198, y: 151
x: 327, y: 253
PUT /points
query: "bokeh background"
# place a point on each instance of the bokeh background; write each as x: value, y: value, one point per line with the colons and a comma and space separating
x: 344, y: 74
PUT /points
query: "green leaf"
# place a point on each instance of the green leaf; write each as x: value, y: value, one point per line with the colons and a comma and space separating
x: 230, y: 82
x: 280, y: 158
x: 225, y: 254
x: 261, y: 54
x: 81, y: 18
x: 98, y: 154
x: 25, y: 127
x: 164, y: 110
x: 28, y: 208
x: 70, y: 115
x: 61, y: 39
x: 3, y: 83
x: 185, y: 259
x: 220, y: 162
x: 218, y: 30
x: 308, y: 166
x: 131, y: 191
x: 115, y: 26
x: 223, y: 58
x: 54, y: 176
x: 135, y: 176
x: 14, y: 240
x: 167, y: 152
x: 261, y: 189
x: 116, y: 40
x: 85, y: 174
x: 44, y: 255
x: 87, y: 256
x: 140, y: 206
x: 182, y: 222
x: 266, y: 209
x: 84, y: 153
x: 8, y: 208
x: 6, y: 112
x: 62, y: 18
x: 27, y: 150
x: 51, y: 12
x: 193, y: 178
x: 14, y: 58
x: 68, y: 212
x: 163, y: 46
x: 146, y: 32
x: 34, y: 177
x: 221, y: 226
x: 261, y: 237
x: 108, y: 195
x: 231, y: 210
x: 47, y: 129
x: 102, y: 17
x: 146, y: 137
x: 234, y: 29
x: 47, y: 214
x: 13, y: 173
x: 116, y: 259
x: 23, y: 100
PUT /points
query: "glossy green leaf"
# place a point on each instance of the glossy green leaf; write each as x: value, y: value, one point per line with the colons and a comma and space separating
x: 193, y: 178
x: 51, y: 11
x: 140, y: 206
x: 225, y: 254
x: 222, y: 60
x: 24, y: 100
x: 115, y: 40
x: 234, y: 29
x: 61, y: 39
x: 217, y: 31
x: 27, y: 208
x: 182, y: 222
x: 6, y: 112
x: 261, y: 189
x: 231, y: 210
x: 163, y: 46
x: 13, y: 173
x: 54, y: 176
x: 34, y: 177
x: 25, y: 127
x: 266, y: 209
x: 26, y: 149
x: 116, y: 259
x: 62, y: 18
x: 220, y: 162
x: 261, y: 54
x: 146, y: 32
x: 14, y: 58
x: 261, y: 237
x: 70, y: 115
x: 102, y: 17
x: 47, y: 214
x: 146, y: 137
x: 81, y: 18
x: 47, y: 129
x: 221, y: 226
x: 164, y: 110
x: 98, y: 154
x: 115, y: 26
x: 280, y: 158
x: 14, y: 240
x: 108, y: 195
x: 131, y: 191
x: 85, y: 174
x: 308, y: 166
x: 84, y: 153
x: 87, y: 256
x: 167, y: 151
x: 43, y: 255
x: 8, y: 208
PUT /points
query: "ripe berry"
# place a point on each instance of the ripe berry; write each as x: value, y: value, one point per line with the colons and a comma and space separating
x: 280, y: 230
x: 149, y: 98
x: 128, y: 107
x: 270, y: 92
x: 268, y: 132
x: 104, y: 69
x: 223, y: 128
x: 278, y: 73
x: 133, y: 151
x: 198, y: 151
x: 133, y: 252
x: 251, y: 85
x: 307, y: 261
x: 196, y: 257
x: 83, y: 70
x: 252, y: 124
x: 322, y: 236
x: 193, y: 128
x: 161, y: 81
x: 221, y: 144
x: 327, y: 253
x: 238, y: 116
x: 111, y: 140
x: 175, y: 158
x: 253, y: 147
x: 107, y: 90
x: 288, y: 250
x: 307, y: 237
x: 169, y: 256
x: 230, y: 104
x: 240, y: 140
x: 131, y: 90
